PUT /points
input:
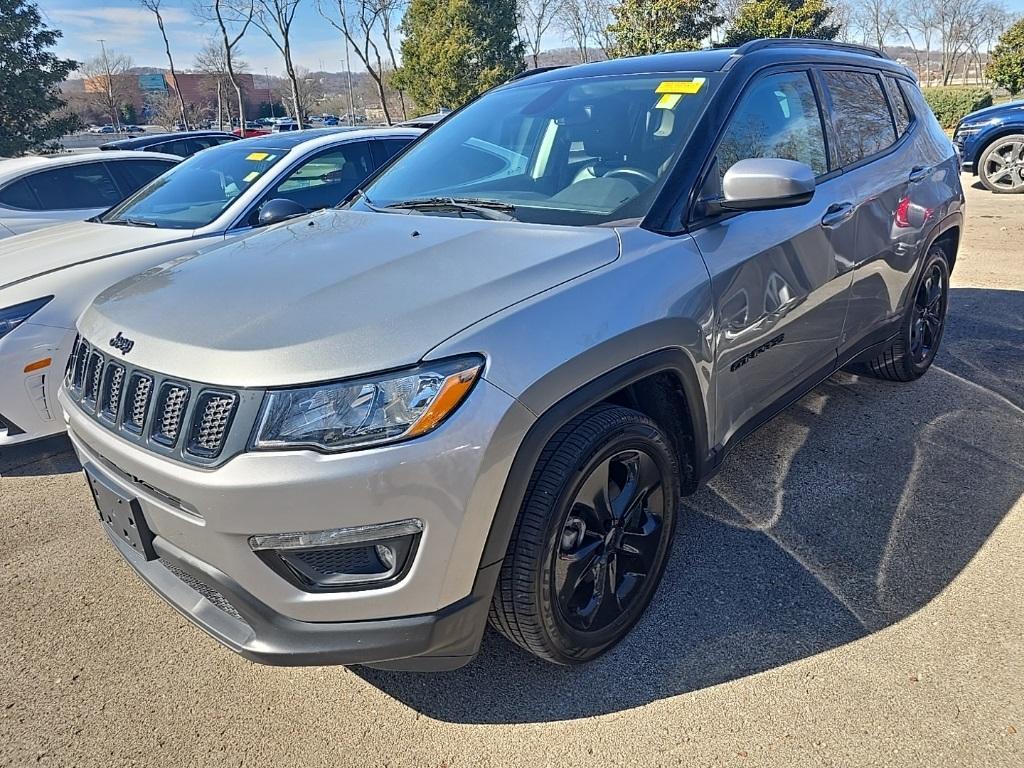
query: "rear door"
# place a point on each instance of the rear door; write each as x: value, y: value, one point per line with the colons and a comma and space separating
x: 66, y: 193
x: 780, y: 277
x: 879, y: 150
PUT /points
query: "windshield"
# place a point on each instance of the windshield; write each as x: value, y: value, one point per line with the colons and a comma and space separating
x: 198, y: 190
x: 584, y: 151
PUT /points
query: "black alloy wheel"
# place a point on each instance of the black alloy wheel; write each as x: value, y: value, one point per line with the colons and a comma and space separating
x: 928, y: 315
x: 610, y: 540
x: 592, y: 538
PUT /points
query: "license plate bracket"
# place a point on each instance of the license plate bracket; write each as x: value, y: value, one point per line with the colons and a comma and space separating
x: 122, y: 516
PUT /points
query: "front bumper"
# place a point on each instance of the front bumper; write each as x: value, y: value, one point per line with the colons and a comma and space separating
x: 203, y: 518
x: 28, y: 400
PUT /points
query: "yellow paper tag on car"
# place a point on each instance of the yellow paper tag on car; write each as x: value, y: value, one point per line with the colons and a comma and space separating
x: 673, y: 90
x: 257, y: 156
x: 250, y: 177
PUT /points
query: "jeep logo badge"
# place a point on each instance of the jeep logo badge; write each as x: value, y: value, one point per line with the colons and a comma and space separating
x: 122, y: 343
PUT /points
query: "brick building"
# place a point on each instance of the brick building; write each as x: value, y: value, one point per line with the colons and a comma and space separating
x: 198, y: 90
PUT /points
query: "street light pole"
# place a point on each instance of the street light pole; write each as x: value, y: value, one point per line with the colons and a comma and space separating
x: 110, y: 87
x: 348, y: 72
x: 270, y: 96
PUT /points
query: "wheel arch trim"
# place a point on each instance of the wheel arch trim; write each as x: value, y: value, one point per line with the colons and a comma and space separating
x: 671, y: 360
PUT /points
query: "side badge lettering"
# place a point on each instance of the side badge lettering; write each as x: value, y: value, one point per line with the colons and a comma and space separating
x: 757, y: 351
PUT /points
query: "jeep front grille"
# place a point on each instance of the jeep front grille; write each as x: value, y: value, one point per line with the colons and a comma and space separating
x: 156, y: 411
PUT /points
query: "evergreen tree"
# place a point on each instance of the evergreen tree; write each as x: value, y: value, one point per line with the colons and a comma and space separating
x: 456, y: 49
x: 1006, y: 62
x: 644, y: 27
x: 782, y: 18
x: 30, y: 78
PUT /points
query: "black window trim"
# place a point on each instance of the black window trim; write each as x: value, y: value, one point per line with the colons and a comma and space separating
x: 125, y: 194
x: 900, y: 140
x: 691, y: 221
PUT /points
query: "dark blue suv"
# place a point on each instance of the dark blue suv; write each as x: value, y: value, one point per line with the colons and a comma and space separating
x: 991, y: 144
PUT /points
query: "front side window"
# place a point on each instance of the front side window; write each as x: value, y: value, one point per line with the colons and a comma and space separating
x: 326, y: 179
x: 860, y: 113
x: 777, y: 117
x: 132, y: 175
x: 75, y: 187
x: 196, y: 192
x: 582, y: 151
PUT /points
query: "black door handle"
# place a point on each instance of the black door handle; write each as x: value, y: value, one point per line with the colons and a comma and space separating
x: 919, y: 173
x: 837, y: 213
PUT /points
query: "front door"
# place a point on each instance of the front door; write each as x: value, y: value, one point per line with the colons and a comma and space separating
x: 780, y: 277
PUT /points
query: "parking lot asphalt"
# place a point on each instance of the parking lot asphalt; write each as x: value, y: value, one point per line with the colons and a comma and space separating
x: 847, y: 592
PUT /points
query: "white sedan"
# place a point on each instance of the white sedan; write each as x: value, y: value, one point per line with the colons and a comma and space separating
x: 48, y: 277
x: 44, y: 190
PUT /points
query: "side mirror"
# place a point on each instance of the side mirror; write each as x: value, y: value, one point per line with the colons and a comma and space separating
x: 279, y: 209
x: 766, y: 183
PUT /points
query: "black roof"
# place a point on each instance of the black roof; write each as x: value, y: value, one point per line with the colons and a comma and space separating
x: 140, y: 142
x: 289, y: 139
x: 718, y: 59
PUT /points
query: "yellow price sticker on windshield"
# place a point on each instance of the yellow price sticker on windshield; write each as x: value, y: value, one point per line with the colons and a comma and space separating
x: 257, y: 156
x: 250, y: 177
x: 674, y: 90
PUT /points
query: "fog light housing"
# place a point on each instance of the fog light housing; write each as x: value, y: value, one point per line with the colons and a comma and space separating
x: 360, y: 557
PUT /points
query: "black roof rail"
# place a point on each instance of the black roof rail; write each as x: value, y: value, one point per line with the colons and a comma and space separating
x: 534, y: 71
x: 808, y: 42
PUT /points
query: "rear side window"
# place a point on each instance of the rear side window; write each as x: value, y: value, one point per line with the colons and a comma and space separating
x: 391, y: 147
x: 777, y: 117
x: 860, y: 114
x: 133, y: 175
x: 900, y: 110
x: 19, y: 195
x: 179, y: 147
x: 75, y: 186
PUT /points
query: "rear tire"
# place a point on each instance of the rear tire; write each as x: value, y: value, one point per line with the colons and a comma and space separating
x: 1001, y: 165
x: 592, y: 537
x: 912, y: 351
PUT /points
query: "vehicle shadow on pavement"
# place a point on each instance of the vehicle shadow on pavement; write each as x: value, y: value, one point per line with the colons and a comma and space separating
x: 846, y: 514
x: 49, y: 456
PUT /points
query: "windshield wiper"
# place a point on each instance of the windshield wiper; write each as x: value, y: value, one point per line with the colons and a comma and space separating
x: 132, y: 222
x: 485, y: 209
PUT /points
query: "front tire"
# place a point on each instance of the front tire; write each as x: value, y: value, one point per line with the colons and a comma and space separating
x: 912, y: 351
x: 1001, y: 165
x: 592, y: 538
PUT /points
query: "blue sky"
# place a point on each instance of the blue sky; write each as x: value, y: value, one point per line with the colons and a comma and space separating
x: 128, y: 28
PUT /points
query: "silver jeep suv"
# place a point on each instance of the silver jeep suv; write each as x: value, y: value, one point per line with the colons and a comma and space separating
x: 478, y: 390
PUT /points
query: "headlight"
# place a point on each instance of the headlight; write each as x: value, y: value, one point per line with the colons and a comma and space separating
x: 12, y: 317
x: 361, y: 412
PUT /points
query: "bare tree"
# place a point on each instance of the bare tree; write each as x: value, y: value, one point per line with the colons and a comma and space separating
x: 106, y: 78
x: 585, y: 23
x: 212, y: 61
x: 535, y: 18
x: 233, y: 18
x: 361, y: 22
x: 154, y: 7
x: 875, y: 20
x: 275, y: 18
x: 917, y: 22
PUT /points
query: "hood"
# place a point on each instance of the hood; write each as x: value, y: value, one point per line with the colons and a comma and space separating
x: 1015, y: 108
x: 337, y: 294
x: 46, y: 250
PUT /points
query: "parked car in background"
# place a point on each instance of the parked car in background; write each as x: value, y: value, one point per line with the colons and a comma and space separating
x: 479, y: 391
x: 48, y: 277
x: 44, y: 190
x: 991, y: 144
x: 426, y: 121
x: 183, y: 144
